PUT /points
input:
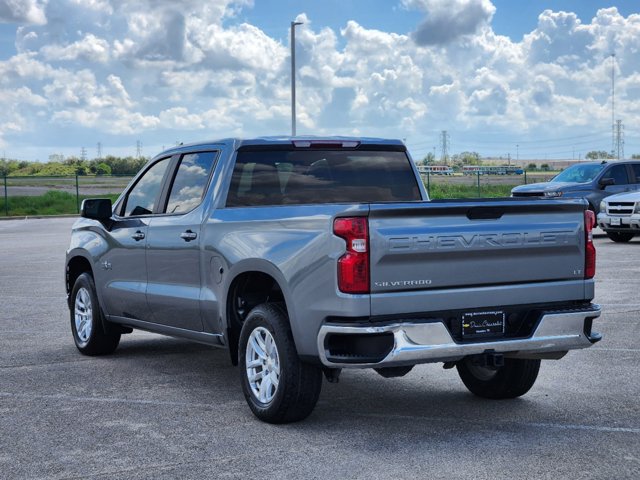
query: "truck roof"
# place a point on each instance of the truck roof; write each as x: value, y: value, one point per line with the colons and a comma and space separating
x: 282, y: 140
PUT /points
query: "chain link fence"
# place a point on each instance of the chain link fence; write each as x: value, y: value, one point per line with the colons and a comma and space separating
x: 35, y: 195
x: 478, y: 184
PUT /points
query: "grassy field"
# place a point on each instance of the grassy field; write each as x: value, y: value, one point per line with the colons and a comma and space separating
x: 57, y: 203
x: 444, y: 190
x: 51, y: 203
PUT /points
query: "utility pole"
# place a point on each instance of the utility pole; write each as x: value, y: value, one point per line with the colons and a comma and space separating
x: 293, y: 77
x: 517, y: 153
x: 83, y: 154
x: 138, y: 149
x: 444, y: 146
x: 99, y: 151
x: 619, y: 140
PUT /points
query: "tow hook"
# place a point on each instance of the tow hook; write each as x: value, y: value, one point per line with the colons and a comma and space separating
x: 332, y: 374
x: 489, y: 360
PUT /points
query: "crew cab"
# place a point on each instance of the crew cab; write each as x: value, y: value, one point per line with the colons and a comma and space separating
x: 305, y: 256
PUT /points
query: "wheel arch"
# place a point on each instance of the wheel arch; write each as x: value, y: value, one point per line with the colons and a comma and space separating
x: 251, y: 285
x: 77, y: 264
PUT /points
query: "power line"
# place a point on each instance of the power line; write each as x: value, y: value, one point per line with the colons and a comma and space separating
x: 520, y: 142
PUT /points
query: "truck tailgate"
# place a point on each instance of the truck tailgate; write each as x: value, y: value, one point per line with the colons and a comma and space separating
x: 450, y: 245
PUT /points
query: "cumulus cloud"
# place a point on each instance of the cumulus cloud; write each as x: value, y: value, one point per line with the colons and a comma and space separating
x: 102, y: 6
x: 23, y: 11
x: 89, y: 48
x: 448, y: 20
x: 150, y: 68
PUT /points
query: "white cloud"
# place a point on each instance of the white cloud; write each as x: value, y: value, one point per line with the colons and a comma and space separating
x: 90, y: 48
x: 23, y: 11
x: 180, y: 118
x: 16, y: 105
x: 448, y: 20
x: 101, y: 6
x: 151, y: 68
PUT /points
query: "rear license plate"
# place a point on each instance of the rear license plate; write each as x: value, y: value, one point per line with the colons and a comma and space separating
x: 482, y: 324
x: 615, y: 221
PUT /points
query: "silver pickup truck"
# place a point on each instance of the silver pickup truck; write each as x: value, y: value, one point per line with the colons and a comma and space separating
x: 304, y: 256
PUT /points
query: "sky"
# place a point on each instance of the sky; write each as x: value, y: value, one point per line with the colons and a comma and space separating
x: 530, y: 80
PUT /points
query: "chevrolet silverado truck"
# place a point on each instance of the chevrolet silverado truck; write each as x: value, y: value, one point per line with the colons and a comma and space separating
x: 306, y: 256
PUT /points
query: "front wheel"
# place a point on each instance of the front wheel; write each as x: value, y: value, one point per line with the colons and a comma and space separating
x: 86, y: 320
x: 512, y: 380
x: 278, y: 387
x: 620, y: 237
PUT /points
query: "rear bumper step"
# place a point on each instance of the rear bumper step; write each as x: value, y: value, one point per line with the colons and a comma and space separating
x: 410, y: 343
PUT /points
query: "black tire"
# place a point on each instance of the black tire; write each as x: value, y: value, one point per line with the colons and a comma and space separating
x: 514, y: 379
x: 299, y: 383
x: 84, y: 302
x: 620, y: 237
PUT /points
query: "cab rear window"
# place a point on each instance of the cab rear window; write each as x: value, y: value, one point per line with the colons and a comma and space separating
x: 293, y: 177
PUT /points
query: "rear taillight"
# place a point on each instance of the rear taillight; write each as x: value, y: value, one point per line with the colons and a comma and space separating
x: 353, y: 266
x: 589, y: 247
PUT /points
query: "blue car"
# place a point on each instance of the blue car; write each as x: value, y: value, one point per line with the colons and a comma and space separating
x: 590, y: 180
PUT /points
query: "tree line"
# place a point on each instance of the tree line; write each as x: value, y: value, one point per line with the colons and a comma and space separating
x: 108, y: 165
x: 474, y: 158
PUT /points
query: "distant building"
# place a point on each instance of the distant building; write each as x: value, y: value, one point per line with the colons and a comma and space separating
x: 56, y: 157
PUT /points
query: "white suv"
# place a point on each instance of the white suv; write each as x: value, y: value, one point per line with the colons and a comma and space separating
x: 619, y: 216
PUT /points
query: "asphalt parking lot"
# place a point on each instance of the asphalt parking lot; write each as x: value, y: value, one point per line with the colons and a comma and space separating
x: 166, y: 408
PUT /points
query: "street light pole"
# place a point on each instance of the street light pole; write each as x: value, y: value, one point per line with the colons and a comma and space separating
x: 293, y: 77
x: 613, y: 104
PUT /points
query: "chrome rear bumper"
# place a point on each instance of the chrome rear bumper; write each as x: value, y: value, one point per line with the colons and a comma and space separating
x: 415, y: 343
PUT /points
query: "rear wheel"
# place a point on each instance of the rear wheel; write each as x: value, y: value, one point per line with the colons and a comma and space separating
x: 86, y: 320
x: 620, y: 237
x: 278, y: 387
x: 512, y: 380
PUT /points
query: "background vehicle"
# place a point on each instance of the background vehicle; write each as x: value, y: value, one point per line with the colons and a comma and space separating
x: 491, y: 170
x: 306, y: 256
x: 619, y: 216
x: 436, y: 169
x: 590, y: 180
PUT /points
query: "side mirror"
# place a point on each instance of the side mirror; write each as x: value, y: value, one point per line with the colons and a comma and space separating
x: 605, y: 182
x: 96, y: 208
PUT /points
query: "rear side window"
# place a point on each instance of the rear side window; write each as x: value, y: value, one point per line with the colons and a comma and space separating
x: 636, y: 171
x: 190, y: 182
x: 619, y: 174
x: 294, y: 177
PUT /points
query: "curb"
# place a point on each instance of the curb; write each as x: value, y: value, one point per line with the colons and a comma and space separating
x: 37, y: 217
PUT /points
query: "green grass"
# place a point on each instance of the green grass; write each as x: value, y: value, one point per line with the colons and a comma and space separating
x: 51, y: 203
x: 58, y: 203
x: 444, y: 190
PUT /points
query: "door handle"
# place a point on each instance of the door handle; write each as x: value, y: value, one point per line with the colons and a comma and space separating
x: 188, y: 236
x: 138, y: 236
